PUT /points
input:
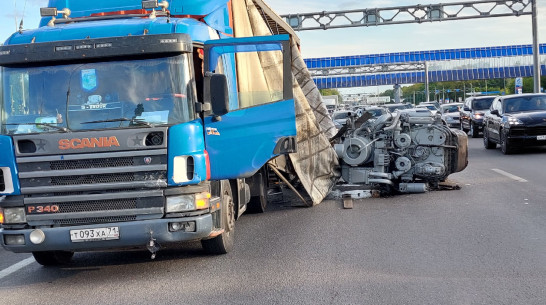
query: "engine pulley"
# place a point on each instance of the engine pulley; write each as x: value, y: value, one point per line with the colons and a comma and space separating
x: 403, y: 164
x: 356, y: 150
x: 402, y: 140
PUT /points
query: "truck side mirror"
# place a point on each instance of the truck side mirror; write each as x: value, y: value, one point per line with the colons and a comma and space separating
x: 495, y: 112
x: 216, y: 93
x: 465, y: 108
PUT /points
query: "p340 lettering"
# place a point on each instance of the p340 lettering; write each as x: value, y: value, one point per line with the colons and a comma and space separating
x: 39, y: 209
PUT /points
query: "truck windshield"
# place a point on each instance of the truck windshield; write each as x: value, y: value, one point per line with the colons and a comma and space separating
x: 97, y: 95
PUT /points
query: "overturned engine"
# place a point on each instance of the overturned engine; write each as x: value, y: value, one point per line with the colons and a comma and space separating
x: 407, y: 151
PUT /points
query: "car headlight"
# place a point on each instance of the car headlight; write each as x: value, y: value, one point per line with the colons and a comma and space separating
x: 185, y: 203
x: 478, y: 116
x: 514, y: 121
x: 12, y: 215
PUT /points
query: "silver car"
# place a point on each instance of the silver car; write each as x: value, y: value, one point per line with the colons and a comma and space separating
x: 451, y: 114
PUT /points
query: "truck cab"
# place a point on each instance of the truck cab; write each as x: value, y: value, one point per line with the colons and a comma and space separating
x: 123, y: 124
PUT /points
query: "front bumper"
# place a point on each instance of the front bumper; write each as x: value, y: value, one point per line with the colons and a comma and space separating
x: 527, y: 136
x: 526, y: 141
x: 477, y: 124
x: 452, y: 124
x: 131, y: 234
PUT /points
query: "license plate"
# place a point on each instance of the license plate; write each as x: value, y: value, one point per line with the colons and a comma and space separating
x: 541, y: 137
x: 94, y: 234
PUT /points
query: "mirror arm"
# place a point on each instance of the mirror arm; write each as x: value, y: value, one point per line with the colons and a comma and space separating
x: 202, y: 107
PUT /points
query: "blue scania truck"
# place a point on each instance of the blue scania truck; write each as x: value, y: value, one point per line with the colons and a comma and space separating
x: 123, y: 125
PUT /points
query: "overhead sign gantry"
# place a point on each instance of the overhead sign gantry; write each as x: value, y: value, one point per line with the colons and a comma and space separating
x: 421, y: 14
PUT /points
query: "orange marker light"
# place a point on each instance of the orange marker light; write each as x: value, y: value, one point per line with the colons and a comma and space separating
x: 201, y: 204
x: 202, y: 200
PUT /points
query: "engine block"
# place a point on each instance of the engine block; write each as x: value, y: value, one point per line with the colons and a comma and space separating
x: 408, y: 151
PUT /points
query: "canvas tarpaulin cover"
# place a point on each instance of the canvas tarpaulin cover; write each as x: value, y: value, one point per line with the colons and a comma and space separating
x: 315, y: 163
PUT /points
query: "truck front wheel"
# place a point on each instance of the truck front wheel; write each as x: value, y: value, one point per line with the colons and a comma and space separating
x: 258, y: 202
x: 53, y: 258
x: 223, y: 243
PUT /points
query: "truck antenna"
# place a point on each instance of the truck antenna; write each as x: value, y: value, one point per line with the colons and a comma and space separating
x: 15, y: 13
x: 22, y: 17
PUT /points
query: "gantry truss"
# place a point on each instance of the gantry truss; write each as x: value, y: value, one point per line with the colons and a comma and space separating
x: 408, y: 14
x: 421, y: 14
x: 366, y: 69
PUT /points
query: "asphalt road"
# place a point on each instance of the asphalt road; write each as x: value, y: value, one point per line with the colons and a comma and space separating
x: 482, y: 244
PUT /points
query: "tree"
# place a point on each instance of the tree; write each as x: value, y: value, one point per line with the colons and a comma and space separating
x: 326, y: 92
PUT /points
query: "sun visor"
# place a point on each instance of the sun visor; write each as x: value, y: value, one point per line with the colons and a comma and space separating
x: 86, y: 49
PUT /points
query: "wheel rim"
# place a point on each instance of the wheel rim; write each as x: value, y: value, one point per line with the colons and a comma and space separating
x: 230, y: 214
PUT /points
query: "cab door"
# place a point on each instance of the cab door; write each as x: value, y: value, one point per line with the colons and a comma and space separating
x: 258, y: 125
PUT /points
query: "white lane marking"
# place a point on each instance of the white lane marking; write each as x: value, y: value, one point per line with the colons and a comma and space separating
x: 514, y: 177
x: 16, y: 267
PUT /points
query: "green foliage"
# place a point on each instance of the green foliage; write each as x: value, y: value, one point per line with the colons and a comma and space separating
x: 389, y: 93
x: 504, y: 86
x: 326, y: 92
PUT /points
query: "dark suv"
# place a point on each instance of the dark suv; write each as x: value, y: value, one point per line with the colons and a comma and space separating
x: 515, y: 121
x: 472, y: 114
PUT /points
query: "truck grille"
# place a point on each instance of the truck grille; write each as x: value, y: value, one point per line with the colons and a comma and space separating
x: 97, y: 163
x: 93, y: 172
x: 95, y: 188
x: 103, y: 205
x: 79, y: 221
x: 89, y: 179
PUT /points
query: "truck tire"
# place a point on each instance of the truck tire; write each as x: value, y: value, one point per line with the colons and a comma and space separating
x: 258, y: 203
x: 53, y: 258
x: 223, y: 243
x: 486, y: 143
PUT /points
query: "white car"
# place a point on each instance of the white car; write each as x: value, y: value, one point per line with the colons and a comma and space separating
x: 340, y: 117
x: 429, y: 106
x: 451, y: 114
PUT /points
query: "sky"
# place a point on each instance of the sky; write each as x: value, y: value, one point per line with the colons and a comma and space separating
x: 360, y: 40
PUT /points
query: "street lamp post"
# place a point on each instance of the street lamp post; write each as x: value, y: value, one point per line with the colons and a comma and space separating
x: 427, y: 99
x: 536, y: 62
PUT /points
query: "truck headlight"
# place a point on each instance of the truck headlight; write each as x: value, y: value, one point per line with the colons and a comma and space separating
x: 12, y: 215
x: 180, y: 203
x: 184, y: 203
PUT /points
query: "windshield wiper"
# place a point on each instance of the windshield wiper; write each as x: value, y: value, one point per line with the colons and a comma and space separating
x: 52, y: 125
x: 133, y: 121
